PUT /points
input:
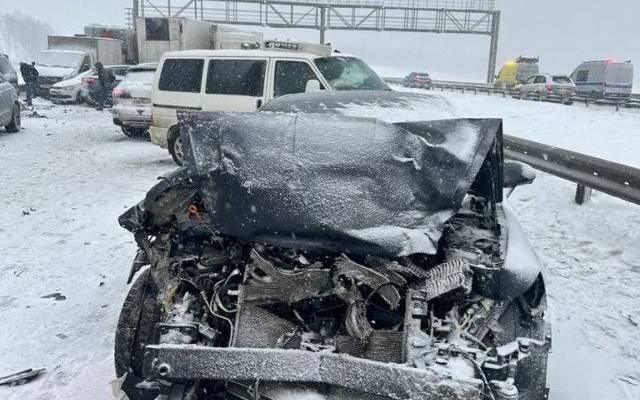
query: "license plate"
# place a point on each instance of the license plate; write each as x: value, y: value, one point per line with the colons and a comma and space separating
x: 140, y: 101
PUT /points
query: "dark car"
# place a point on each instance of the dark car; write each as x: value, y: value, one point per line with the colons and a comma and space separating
x: 306, y: 252
x: 7, y: 71
x: 9, y: 106
x: 418, y: 80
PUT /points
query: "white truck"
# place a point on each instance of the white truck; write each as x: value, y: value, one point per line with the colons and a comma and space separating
x: 159, y: 35
x: 68, y: 56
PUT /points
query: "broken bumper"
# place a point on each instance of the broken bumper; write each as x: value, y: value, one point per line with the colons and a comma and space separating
x: 189, y: 362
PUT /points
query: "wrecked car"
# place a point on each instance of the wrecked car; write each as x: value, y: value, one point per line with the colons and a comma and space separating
x: 314, y: 250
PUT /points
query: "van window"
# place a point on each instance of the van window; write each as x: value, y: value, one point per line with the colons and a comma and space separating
x: 237, y: 77
x: 292, y: 77
x: 157, y: 28
x: 582, y: 76
x: 181, y: 75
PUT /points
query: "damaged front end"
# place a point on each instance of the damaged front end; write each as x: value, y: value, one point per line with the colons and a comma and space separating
x: 332, y: 257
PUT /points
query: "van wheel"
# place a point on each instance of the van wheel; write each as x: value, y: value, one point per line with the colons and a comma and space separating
x: 175, y: 147
x: 14, y: 125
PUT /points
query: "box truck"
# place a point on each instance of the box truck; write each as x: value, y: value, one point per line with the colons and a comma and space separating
x: 159, y: 35
x: 68, y: 56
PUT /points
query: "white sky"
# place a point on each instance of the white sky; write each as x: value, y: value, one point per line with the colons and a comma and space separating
x: 561, y: 32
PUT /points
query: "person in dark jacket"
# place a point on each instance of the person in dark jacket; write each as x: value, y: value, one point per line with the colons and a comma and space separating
x: 105, y: 81
x: 30, y: 76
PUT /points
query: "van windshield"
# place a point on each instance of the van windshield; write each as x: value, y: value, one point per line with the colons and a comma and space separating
x: 349, y: 73
x: 59, y: 59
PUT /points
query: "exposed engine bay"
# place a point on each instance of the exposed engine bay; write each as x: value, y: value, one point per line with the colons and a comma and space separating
x: 246, y: 315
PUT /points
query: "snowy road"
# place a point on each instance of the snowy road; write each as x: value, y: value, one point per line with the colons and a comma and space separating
x: 66, y: 178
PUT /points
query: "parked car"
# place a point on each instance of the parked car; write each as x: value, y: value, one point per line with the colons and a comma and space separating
x: 516, y: 72
x: 7, y: 71
x: 418, y: 80
x: 547, y: 86
x: 91, y: 87
x: 132, y: 100
x: 9, y: 106
x: 307, y: 251
x: 68, y: 91
x: 604, y: 79
x: 243, y: 80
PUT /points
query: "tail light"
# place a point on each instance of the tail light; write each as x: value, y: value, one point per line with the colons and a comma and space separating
x: 89, y: 80
x: 121, y: 93
x: 549, y: 87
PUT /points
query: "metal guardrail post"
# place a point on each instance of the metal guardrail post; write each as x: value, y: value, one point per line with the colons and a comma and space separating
x: 583, y: 194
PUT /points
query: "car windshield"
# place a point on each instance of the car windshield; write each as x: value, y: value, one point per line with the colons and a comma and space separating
x: 142, y: 77
x: 349, y: 73
x: 59, y: 59
x: 561, y: 79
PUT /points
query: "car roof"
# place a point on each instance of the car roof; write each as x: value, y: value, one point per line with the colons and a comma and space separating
x: 144, y: 67
x: 249, y: 54
x: 64, y: 51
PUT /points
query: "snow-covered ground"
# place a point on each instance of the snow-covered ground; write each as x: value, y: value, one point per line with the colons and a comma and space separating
x: 66, y: 178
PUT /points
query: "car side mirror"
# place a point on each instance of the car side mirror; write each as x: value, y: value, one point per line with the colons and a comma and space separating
x: 517, y: 174
x: 312, y: 86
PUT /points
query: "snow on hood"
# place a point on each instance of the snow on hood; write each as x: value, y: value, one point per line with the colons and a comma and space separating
x: 389, y: 106
x: 75, y: 81
x: 57, y: 72
x: 334, y: 182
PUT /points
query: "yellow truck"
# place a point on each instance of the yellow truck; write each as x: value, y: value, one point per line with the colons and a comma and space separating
x: 516, y: 71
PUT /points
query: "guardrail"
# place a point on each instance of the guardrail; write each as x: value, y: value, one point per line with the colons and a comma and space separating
x: 588, y: 172
x: 490, y: 89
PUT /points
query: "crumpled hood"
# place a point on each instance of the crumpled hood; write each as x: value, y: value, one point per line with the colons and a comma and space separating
x: 330, y: 182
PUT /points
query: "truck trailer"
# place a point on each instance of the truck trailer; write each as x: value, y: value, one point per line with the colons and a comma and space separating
x: 68, y: 56
x: 159, y: 35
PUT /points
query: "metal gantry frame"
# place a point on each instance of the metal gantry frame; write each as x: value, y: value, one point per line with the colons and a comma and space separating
x: 477, y: 17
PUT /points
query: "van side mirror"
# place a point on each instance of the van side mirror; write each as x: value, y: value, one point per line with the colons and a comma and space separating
x: 517, y: 174
x: 312, y: 86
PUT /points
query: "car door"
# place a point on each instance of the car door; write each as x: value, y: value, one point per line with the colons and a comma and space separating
x: 6, y: 102
x: 529, y: 85
x: 235, y: 84
x: 539, y: 84
x: 290, y: 76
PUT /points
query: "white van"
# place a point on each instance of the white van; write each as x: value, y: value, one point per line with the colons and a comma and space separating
x: 243, y: 80
x: 605, y: 78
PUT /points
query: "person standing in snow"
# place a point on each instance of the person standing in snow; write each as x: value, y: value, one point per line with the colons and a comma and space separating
x: 30, y: 76
x: 105, y: 81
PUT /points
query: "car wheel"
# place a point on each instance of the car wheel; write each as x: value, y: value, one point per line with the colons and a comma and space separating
x: 14, y: 125
x: 132, y: 132
x: 135, y: 329
x: 175, y: 147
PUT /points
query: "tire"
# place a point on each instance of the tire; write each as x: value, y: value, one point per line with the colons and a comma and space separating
x: 133, y: 132
x: 175, y: 146
x: 14, y: 125
x: 136, y: 324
